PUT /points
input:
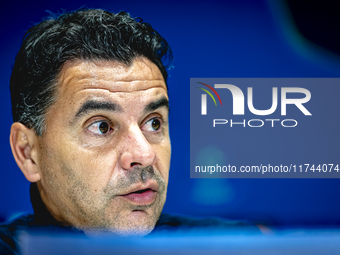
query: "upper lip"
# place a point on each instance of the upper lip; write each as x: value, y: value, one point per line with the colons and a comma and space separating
x: 151, y: 185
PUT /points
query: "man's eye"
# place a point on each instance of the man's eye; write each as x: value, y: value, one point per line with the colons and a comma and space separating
x: 100, y: 128
x: 153, y: 125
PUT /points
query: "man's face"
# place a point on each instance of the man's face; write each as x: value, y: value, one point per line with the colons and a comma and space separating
x: 105, y: 155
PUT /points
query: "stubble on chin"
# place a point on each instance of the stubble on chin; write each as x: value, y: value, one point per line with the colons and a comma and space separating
x: 105, y: 212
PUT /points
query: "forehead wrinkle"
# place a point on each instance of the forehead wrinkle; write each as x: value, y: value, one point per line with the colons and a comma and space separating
x: 127, y: 82
x: 103, y: 75
x: 121, y: 91
x: 116, y: 71
x: 91, y: 74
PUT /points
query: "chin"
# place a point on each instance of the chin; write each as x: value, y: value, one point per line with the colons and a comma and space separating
x: 137, y: 224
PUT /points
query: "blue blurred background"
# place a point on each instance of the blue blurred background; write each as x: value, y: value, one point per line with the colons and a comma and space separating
x: 244, y: 38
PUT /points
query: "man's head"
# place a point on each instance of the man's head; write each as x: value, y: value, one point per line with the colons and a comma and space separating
x: 90, y: 106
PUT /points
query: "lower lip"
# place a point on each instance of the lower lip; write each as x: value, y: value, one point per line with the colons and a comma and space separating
x: 144, y: 198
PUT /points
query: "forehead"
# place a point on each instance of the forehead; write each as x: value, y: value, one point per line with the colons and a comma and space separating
x: 112, y: 76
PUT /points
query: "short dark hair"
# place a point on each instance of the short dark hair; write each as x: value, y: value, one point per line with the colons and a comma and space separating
x: 86, y: 34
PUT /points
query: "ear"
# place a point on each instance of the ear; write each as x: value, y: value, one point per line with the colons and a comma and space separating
x: 24, y: 144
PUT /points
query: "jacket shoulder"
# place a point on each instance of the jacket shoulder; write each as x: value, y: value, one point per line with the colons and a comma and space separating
x: 8, y: 234
x: 169, y: 222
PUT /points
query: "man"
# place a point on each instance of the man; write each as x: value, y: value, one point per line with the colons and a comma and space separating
x: 91, y: 132
x: 90, y: 109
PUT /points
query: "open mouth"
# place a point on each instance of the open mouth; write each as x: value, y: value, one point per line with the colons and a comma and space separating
x: 141, y: 191
x: 141, y: 197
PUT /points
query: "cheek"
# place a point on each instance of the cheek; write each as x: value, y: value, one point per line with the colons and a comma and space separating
x: 164, y: 156
x: 79, y: 177
x: 69, y: 164
x: 95, y: 167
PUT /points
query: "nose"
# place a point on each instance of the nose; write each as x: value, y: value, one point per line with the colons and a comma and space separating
x: 136, y: 149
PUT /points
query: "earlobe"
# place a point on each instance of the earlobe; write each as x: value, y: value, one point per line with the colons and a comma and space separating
x: 23, y: 144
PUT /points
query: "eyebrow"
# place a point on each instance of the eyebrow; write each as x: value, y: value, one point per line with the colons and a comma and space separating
x: 163, y: 102
x: 92, y: 105
x: 97, y: 105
